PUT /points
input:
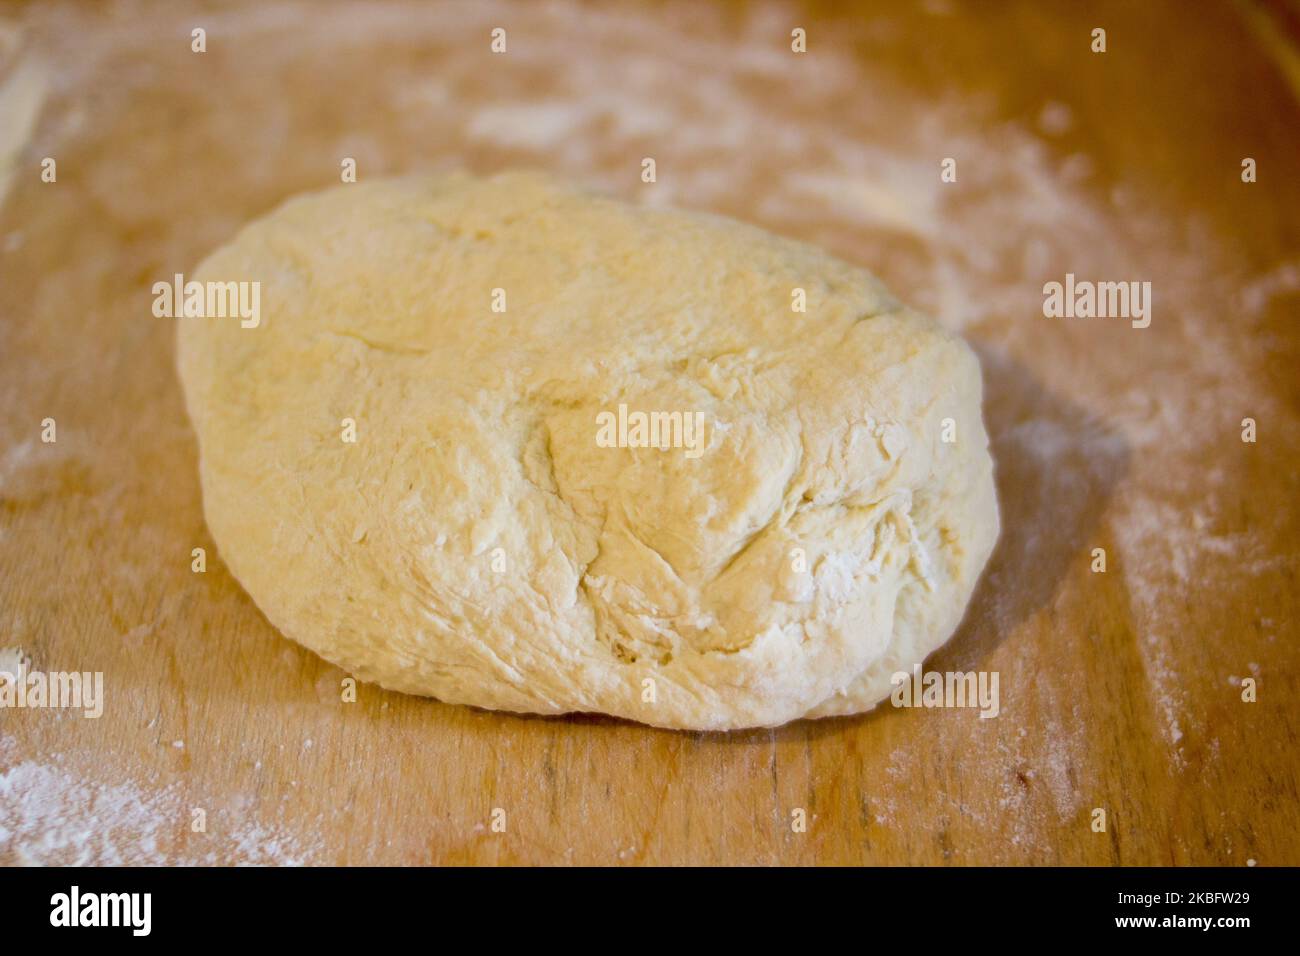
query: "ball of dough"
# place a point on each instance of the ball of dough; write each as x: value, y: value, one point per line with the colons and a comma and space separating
x: 424, y: 462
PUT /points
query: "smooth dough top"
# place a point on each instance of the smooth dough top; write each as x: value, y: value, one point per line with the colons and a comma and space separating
x: 478, y: 544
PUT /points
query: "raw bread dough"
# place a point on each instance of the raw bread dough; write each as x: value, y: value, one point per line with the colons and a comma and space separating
x: 476, y: 544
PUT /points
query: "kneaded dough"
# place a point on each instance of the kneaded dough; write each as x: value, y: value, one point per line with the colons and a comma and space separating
x: 475, y: 543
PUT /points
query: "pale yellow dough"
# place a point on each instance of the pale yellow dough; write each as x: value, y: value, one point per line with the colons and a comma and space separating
x: 475, y: 543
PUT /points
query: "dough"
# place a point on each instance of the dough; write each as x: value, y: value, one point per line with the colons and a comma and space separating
x: 476, y: 542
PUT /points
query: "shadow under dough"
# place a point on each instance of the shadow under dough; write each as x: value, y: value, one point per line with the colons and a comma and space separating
x: 1055, y: 467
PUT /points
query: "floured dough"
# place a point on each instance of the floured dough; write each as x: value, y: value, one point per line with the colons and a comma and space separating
x: 476, y: 543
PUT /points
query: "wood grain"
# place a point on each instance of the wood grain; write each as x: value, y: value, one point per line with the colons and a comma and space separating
x: 1116, y: 688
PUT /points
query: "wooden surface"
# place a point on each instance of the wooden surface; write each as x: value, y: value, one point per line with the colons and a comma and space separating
x: 1119, y: 690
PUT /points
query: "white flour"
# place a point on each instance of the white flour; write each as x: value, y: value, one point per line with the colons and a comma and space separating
x: 52, y: 817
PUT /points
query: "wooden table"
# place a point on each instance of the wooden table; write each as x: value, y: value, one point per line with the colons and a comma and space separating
x: 1119, y: 690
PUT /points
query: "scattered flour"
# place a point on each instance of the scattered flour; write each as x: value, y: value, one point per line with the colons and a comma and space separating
x: 22, y: 93
x: 50, y: 816
x: 14, y: 663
